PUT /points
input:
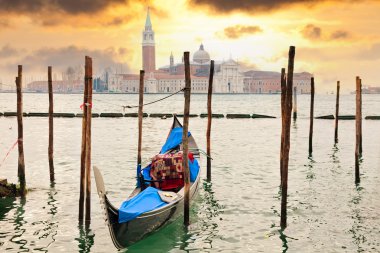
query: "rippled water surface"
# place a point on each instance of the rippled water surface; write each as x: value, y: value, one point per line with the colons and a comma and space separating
x: 238, y: 212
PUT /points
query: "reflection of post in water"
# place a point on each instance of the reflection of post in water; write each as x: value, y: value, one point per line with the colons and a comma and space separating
x: 284, y: 241
x: 335, y: 157
x: 310, y: 165
x: 86, y: 238
x: 207, y: 226
x: 18, y: 226
x: 51, y: 224
x: 211, y: 209
x: 357, y: 235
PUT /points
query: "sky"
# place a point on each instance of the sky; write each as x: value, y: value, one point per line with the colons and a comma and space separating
x: 334, y: 39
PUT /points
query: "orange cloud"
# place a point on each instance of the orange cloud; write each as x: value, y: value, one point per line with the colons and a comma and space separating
x: 237, y: 31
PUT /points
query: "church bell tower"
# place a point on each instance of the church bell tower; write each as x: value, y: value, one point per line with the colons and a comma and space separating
x: 148, y: 47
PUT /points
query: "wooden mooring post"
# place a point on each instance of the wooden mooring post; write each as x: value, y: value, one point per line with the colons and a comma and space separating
x: 209, y: 119
x: 357, y: 127
x: 361, y: 121
x: 83, y: 147
x: 283, y: 111
x: 295, y: 104
x: 140, y: 114
x: 51, y: 125
x: 286, y: 121
x: 311, y: 116
x: 337, y: 112
x: 88, y: 77
x: 185, y: 140
x: 20, y: 129
x: 85, y: 169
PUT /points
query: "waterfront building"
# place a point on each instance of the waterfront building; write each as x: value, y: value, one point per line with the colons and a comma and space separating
x: 228, y: 75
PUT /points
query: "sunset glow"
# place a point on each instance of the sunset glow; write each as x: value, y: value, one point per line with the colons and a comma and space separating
x: 335, y: 40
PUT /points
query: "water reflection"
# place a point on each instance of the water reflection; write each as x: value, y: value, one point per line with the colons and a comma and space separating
x: 204, y: 216
x: 18, y: 224
x: 85, y: 239
x: 6, y: 204
x: 310, y: 175
x: 284, y: 240
x: 50, y: 226
x: 357, y: 230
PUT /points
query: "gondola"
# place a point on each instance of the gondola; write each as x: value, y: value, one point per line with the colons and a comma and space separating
x: 124, y: 234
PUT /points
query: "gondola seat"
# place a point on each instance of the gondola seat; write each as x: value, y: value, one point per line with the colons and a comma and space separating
x: 167, y: 170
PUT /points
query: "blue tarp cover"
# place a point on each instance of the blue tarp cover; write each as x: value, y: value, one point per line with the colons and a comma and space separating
x: 174, y: 139
x: 146, y: 201
x: 194, y: 169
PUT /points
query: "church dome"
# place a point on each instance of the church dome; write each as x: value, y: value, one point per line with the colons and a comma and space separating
x: 201, y: 56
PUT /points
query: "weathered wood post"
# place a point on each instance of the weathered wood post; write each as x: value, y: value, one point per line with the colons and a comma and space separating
x: 209, y: 119
x: 361, y: 120
x: 83, y: 147
x: 140, y: 113
x: 185, y: 140
x: 283, y: 111
x: 295, y: 104
x: 20, y: 128
x: 357, y: 127
x: 88, y: 140
x: 337, y: 111
x: 311, y: 117
x: 51, y: 126
x: 286, y: 128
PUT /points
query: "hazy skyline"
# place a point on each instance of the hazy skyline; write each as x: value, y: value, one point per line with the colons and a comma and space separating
x: 335, y: 40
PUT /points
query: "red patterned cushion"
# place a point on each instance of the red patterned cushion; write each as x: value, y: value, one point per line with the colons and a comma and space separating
x: 168, y: 167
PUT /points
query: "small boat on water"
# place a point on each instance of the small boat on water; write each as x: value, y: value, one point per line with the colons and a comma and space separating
x: 159, y: 195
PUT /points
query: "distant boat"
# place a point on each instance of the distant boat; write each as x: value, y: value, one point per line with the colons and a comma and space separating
x: 164, y: 195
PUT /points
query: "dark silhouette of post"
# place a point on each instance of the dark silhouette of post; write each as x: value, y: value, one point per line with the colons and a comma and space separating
x: 311, y: 116
x: 83, y: 147
x: 361, y: 120
x: 283, y: 111
x: 20, y: 129
x: 88, y: 140
x: 140, y: 114
x: 51, y: 126
x: 295, y: 104
x: 337, y: 111
x: 185, y: 140
x: 209, y: 119
x: 286, y: 128
x: 357, y: 127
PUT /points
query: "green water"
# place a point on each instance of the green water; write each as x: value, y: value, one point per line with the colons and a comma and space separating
x: 238, y: 212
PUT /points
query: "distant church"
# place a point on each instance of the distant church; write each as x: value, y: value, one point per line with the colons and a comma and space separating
x: 228, y: 76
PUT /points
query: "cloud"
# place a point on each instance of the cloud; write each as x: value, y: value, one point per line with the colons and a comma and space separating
x: 250, y: 5
x: 311, y: 32
x: 8, y: 51
x: 372, y: 53
x: 340, y: 34
x: 67, y: 6
x: 72, y: 13
x: 237, y: 31
x: 61, y: 58
x: 4, y: 23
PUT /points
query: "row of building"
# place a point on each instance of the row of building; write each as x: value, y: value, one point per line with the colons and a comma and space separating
x: 228, y: 75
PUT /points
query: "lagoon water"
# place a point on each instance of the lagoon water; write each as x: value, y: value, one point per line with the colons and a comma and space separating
x: 237, y: 212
